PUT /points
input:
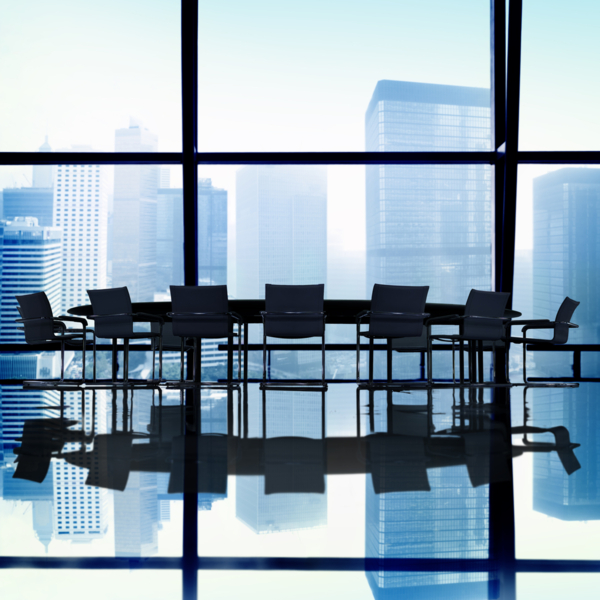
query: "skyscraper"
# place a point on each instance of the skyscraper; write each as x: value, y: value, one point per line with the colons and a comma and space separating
x: 29, y: 202
x: 169, y: 239
x: 80, y: 212
x: 212, y: 234
x: 134, y: 215
x: 429, y: 224
x: 31, y: 262
x: 566, y: 220
x: 42, y: 174
x: 281, y: 221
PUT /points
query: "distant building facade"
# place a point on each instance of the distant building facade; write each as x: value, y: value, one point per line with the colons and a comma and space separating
x: 281, y: 221
x: 31, y: 262
x: 134, y: 216
x: 429, y: 224
x: 81, y: 213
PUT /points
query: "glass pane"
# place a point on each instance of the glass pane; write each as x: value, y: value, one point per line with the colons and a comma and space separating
x: 348, y: 584
x: 300, y: 76
x: 107, y: 492
x: 89, y: 68
x: 558, y: 98
x: 557, y: 503
x: 553, y: 586
x: 65, y: 229
x: 425, y: 225
x: 557, y: 254
x: 312, y: 481
x: 69, y: 584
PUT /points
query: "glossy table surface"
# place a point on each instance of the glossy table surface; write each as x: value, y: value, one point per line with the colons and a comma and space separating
x: 337, y: 311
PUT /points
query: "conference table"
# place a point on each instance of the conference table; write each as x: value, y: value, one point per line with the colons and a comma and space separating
x: 337, y: 312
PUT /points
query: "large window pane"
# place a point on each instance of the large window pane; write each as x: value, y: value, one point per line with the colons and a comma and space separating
x: 81, y: 227
x: 76, y: 70
x: 299, y: 76
x: 108, y: 492
x: 559, y: 99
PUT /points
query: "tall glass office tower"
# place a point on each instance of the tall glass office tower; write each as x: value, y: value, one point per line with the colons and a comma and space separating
x: 134, y: 215
x: 281, y: 227
x: 429, y: 224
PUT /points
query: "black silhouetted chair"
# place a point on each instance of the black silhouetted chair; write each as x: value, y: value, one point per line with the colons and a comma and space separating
x: 202, y: 312
x: 397, y: 311
x: 113, y: 317
x: 483, y: 321
x: 561, y: 326
x: 293, y: 312
x: 41, y: 327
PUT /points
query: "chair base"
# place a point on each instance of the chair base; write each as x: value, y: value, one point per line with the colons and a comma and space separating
x: 393, y: 385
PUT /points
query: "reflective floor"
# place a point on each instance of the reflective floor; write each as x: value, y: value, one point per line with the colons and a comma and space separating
x: 420, y: 493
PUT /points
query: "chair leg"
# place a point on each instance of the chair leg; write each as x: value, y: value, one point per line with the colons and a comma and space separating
x: 371, y: 368
x: 323, y: 357
x: 358, y: 354
x: 126, y: 359
x: 264, y: 355
x: 182, y: 359
x: 389, y: 360
x: 493, y: 361
x: 62, y: 360
x: 454, y: 365
x: 95, y: 357
x: 239, y: 354
x: 524, y: 362
x: 480, y: 360
x: 461, y: 360
x: 429, y: 356
x: 229, y: 358
x: 83, y: 356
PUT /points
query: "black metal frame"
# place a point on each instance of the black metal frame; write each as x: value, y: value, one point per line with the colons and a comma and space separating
x: 505, y: 157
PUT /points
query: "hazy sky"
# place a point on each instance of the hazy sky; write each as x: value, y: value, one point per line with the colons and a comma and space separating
x: 281, y: 76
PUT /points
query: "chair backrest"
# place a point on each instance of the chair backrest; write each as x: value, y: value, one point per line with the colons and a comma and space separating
x: 397, y: 299
x: 200, y: 299
x: 564, y: 314
x: 111, y: 302
x: 294, y: 298
x: 36, y: 307
x: 485, y: 304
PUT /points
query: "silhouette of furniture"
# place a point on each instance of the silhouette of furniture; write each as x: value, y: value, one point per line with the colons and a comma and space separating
x: 41, y: 327
x: 483, y: 320
x: 397, y: 311
x: 202, y: 312
x: 561, y: 326
x: 293, y: 312
x: 113, y: 317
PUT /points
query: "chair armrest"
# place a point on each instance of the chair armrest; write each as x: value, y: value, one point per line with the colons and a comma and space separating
x: 236, y: 316
x: 445, y: 320
x: 197, y: 314
x: 149, y: 317
x: 111, y: 315
x: 73, y: 319
x: 403, y: 314
x: 287, y: 313
x: 529, y: 321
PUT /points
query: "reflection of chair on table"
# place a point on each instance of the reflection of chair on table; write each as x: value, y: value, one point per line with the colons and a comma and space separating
x: 211, y: 463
